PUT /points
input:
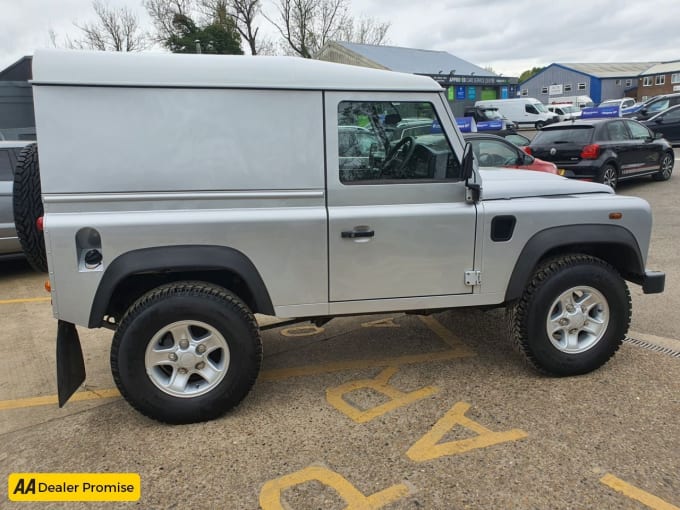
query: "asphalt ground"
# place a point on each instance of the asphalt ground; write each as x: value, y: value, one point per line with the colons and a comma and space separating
x: 392, y: 411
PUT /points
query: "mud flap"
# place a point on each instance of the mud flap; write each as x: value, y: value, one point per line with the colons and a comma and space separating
x: 70, y: 363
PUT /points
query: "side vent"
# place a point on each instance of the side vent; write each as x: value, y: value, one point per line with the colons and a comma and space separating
x: 502, y: 228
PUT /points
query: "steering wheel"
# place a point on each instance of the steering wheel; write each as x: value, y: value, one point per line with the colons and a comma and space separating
x: 399, y: 155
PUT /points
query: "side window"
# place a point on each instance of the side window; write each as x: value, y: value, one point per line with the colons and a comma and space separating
x: 658, y: 106
x: 638, y: 131
x: 672, y: 116
x: 5, y: 166
x: 530, y: 109
x: 494, y: 153
x: 386, y: 141
x: 616, y: 131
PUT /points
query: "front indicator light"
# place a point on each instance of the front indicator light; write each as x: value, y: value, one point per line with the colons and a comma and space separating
x: 615, y: 216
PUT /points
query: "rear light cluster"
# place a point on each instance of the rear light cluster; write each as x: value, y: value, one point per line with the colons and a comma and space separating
x: 591, y: 151
x: 527, y: 149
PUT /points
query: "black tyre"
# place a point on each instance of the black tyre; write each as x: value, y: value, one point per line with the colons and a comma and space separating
x: 609, y: 176
x: 572, y: 317
x: 665, y: 168
x: 539, y: 125
x: 28, y: 207
x: 186, y: 352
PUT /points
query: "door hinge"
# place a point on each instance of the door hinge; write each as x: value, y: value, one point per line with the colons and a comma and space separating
x: 473, y: 278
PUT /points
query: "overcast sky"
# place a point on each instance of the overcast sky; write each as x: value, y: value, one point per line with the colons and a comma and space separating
x: 508, y: 35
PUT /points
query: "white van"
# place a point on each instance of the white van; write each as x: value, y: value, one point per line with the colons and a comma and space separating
x: 578, y: 101
x: 523, y: 111
x: 565, y: 111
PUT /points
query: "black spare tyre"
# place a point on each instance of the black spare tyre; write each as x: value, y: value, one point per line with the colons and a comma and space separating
x: 28, y: 207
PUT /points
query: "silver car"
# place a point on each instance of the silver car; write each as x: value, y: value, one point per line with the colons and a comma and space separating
x: 9, y: 154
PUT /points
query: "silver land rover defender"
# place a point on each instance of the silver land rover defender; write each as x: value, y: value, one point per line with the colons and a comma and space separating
x: 183, y: 194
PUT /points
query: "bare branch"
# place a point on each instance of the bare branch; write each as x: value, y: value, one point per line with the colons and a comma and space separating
x: 114, y: 30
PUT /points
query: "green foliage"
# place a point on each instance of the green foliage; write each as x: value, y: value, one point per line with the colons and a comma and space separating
x: 529, y: 73
x: 220, y: 36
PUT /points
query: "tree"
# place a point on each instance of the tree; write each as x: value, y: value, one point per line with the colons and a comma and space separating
x: 367, y: 31
x: 220, y: 36
x: 306, y: 25
x: 116, y: 29
x: 162, y: 14
x: 529, y: 73
x: 244, y: 13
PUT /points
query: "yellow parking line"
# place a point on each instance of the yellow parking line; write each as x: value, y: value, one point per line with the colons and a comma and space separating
x: 52, y: 399
x: 24, y: 300
x: 633, y: 492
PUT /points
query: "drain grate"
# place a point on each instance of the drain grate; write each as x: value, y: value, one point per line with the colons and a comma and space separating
x: 653, y: 347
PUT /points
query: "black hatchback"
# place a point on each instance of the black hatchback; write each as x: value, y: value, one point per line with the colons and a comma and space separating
x: 604, y: 150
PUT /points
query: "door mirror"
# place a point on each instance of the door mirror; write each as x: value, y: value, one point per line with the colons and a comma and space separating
x: 468, y: 160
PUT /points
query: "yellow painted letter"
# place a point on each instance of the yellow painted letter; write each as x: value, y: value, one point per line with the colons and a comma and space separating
x: 270, y: 495
x: 381, y: 385
x: 428, y: 446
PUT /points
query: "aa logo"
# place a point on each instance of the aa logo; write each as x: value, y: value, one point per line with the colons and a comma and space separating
x: 25, y: 488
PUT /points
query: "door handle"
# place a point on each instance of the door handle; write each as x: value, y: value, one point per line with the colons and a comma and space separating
x: 355, y: 234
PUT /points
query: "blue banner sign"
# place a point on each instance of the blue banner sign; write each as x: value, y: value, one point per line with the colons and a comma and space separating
x: 490, y: 125
x: 472, y: 93
x: 504, y: 92
x: 466, y: 124
x: 600, y: 112
x: 460, y: 91
x: 436, y: 127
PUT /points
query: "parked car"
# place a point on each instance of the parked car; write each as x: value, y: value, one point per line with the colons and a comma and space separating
x: 604, y: 150
x: 652, y: 106
x: 9, y: 154
x: 667, y: 123
x: 579, y: 102
x: 492, y: 150
x: 565, y: 111
x: 624, y: 102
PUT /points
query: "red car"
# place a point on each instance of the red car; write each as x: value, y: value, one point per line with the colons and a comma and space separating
x: 492, y: 150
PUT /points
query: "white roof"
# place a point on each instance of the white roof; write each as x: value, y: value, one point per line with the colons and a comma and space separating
x: 55, y: 67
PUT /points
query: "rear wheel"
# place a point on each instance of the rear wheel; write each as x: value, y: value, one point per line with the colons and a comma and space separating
x: 539, y: 124
x: 186, y: 352
x: 609, y: 176
x: 28, y: 207
x: 572, y: 317
x: 666, y: 168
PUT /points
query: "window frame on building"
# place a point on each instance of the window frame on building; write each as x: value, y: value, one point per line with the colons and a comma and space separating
x: 660, y: 79
x: 647, y: 81
x: 581, y: 86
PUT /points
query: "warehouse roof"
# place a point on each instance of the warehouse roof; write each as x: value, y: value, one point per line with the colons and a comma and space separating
x: 409, y: 60
x: 609, y: 69
x: 664, y: 68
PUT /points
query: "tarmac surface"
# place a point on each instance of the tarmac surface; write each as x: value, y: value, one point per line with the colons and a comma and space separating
x: 391, y: 411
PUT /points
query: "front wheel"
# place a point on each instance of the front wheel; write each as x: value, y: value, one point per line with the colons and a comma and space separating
x: 539, y: 125
x: 186, y: 352
x: 665, y: 169
x: 572, y: 316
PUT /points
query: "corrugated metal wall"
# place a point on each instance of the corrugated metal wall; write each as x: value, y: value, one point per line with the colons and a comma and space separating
x: 555, y: 75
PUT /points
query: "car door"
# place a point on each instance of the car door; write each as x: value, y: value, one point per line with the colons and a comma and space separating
x: 399, y: 225
x: 646, y: 155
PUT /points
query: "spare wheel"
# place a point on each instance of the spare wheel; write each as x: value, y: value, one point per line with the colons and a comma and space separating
x: 28, y: 207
